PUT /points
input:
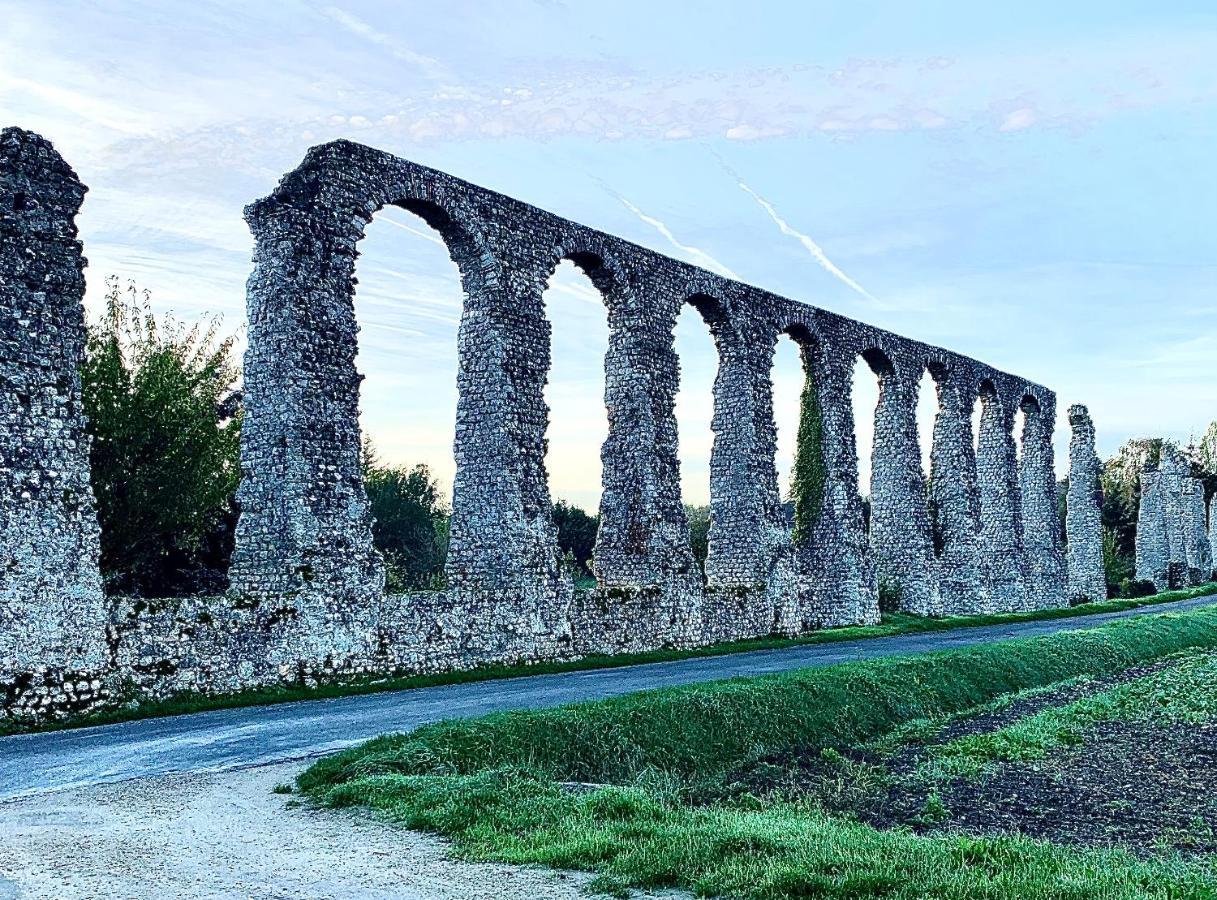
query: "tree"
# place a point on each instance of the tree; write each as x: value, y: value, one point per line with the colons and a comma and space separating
x: 411, y: 523
x: 576, y: 535
x: 164, y: 419
x: 699, y: 533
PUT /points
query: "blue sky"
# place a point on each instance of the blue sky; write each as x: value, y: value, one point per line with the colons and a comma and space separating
x: 1031, y: 184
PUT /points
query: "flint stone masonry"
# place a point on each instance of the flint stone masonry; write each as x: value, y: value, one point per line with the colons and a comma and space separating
x: 308, y: 601
x: 1084, y: 512
x: 1173, y: 549
x: 51, y: 607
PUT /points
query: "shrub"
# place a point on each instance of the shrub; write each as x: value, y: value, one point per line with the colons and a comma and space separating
x: 411, y: 523
x: 164, y: 421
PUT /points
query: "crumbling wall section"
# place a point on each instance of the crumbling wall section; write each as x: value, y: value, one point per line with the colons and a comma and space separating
x: 1173, y: 549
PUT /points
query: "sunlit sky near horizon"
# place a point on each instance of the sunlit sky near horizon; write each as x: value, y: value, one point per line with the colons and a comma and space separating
x: 1030, y: 184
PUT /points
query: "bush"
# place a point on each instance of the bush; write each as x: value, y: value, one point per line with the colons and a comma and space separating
x: 699, y: 533
x: 1131, y: 588
x: 411, y: 523
x: 164, y: 421
x: 576, y: 536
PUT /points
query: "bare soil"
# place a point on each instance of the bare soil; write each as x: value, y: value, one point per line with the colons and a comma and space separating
x: 1145, y: 786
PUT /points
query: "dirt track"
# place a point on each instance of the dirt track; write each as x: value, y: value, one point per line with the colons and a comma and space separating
x: 227, y: 835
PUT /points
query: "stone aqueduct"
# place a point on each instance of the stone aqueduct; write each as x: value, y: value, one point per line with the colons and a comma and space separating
x: 307, y: 598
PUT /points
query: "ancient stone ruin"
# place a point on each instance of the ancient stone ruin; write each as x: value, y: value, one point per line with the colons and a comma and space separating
x: 978, y: 533
x: 52, y: 612
x: 1084, y: 512
x: 1173, y: 549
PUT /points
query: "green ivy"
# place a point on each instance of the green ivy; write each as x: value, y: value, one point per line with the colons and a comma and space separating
x: 807, y: 480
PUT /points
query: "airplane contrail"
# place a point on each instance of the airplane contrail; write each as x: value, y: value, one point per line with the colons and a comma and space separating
x: 703, y: 258
x: 816, y: 251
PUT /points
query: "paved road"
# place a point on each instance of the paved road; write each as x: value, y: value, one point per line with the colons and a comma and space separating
x: 257, y: 736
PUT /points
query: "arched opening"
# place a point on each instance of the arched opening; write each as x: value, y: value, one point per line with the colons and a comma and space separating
x: 408, y: 303
x: 577, y: 418
x: 926, y: 414
x: 698, y: 367
x: 808, y: 476
x: 789, y: 379
x: 869, y: 368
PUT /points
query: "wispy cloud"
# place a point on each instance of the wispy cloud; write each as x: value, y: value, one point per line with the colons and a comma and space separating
x: 430, y: 67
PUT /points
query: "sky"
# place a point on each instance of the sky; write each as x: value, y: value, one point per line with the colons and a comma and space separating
x: 1030, y: 184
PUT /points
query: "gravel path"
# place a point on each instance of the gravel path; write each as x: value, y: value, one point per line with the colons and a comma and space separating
x: 228, y: 836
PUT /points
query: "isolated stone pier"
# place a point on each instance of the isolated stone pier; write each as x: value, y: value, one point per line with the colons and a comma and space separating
x: 1173, y: 549
x: 1084, y: 512
x: 51, y: 605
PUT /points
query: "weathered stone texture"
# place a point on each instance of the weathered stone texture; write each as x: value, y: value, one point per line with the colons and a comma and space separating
x: 1044, y: 560
x: 51, y: 606
x: 1173, y: 549
x: 308, y: 588
x: 1084, y: 512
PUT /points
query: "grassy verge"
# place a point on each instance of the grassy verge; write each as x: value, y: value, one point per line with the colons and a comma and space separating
x: 1168, y: 695
x: 494, y: 784
x: 635, y: 837
x: 892, y: 625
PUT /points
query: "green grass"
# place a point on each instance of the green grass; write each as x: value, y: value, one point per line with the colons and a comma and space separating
x: 701, y: 730
x: 635, y: 837
x: 1168, y: 695
x: 493, y: 784
x: 893, y: 624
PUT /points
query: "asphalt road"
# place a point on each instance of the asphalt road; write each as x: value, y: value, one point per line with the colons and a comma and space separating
x: 258, y: 736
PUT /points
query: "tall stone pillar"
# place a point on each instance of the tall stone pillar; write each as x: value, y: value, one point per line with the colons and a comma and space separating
x: 956, y: 499
x: 643, y: 537
x: 900, y: 537
x: 1198, y: 551
x: 304, y: 535
x: 842, y: 587
x: 1045, y: 562
x: 1213, y: 536
x: 643, y: 556
x: 1001, y: 555
x: 1084, y: 512
x: 52, y: 611
x: 739, y: 544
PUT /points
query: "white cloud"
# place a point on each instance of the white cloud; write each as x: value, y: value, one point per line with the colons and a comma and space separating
x: 1019, y: 119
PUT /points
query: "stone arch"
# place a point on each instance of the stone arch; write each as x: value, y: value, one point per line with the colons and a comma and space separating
x: 304, y: 534
x: 605, y: 281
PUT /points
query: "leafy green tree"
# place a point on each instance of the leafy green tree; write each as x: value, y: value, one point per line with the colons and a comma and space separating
x: 411, y: 523
x: 576, y: 535
x: 164, y: 421
x: 699, y: 533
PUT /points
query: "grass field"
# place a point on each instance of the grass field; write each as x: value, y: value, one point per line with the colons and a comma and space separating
x: 638, y: 788
x: 893, y: 624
